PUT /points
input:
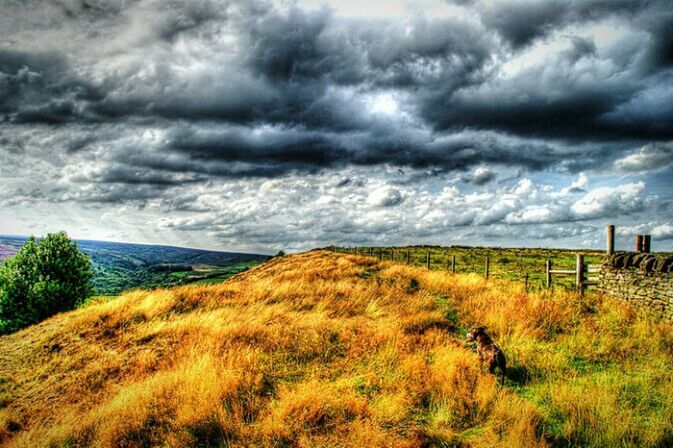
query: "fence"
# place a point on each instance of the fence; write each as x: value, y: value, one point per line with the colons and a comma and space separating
x: 578, y: 272
x: 583, y: 280
x: 499, y: 264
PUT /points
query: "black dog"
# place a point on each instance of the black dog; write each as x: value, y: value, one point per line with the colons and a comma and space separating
x: 488, y: 350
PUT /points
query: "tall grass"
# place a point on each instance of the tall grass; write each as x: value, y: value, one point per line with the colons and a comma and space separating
x: 324, y: 349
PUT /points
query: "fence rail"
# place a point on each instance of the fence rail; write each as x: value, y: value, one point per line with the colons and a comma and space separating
x: 582, y: 280
x: 448, y: 261
x: 585, y: 274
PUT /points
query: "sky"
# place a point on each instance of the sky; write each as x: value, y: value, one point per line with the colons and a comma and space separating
x: 264, y: 125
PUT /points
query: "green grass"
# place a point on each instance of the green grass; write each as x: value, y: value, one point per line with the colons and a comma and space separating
x: 505, y: 263
x: 219, y: 275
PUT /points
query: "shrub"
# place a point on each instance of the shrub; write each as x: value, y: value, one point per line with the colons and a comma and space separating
x: 44, y: 277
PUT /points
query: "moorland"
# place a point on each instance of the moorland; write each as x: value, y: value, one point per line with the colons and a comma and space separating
x: 332, y: 349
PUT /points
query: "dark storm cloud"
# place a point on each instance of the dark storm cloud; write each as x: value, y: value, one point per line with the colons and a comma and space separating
x: 272, y: 152
x: 315, y: 47
x: 37, y: 87
x: 560, y: 102
x: 521, y: 22
x: 243, y: 89
x: 123, y: 175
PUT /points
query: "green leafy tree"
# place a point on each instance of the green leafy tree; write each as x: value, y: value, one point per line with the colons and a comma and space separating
x: 44, y: 278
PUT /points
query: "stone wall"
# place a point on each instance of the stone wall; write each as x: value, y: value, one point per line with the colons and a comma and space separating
x: 643, y: 279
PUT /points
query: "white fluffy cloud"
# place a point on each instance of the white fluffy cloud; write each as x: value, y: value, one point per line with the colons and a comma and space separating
x: 663, y: 231
x: 384, y: 197
x: 530, y: 214
x: 605, y: 201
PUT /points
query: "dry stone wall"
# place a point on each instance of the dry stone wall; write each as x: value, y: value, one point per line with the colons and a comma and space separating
x: 643, y: 279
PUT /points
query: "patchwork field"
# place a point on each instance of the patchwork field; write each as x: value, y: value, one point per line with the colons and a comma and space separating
x: 329, y: 349
x: 119, y: 267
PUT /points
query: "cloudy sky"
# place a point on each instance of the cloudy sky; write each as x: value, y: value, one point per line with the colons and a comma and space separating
x: 261, y: 125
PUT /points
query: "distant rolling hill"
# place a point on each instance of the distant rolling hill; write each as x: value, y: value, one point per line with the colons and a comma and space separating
x: 120, y: 266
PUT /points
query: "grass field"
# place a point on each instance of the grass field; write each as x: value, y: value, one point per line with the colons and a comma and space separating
x: 505, y: 263
x: 329, y: 349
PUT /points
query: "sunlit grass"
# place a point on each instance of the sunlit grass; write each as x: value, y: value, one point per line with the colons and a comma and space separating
x: 324, y: 349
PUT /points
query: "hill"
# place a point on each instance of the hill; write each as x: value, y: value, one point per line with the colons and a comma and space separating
x: 120, y: 266
x: 326, y: 349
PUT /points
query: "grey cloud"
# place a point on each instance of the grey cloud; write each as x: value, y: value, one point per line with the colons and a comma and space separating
x: 573, y: 95
x: 480, y: 176
x: 580, y: 109
x: 520, y: 22
x: 650, y: 157
x: 291, y: 70
x: 41, y: 88
x: 581, y: 47
x: 120, y: 174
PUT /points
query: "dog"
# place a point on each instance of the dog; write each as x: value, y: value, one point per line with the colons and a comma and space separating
x: 488, y: 350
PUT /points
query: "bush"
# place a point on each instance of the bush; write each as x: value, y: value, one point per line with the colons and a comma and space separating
x: 42, y: 279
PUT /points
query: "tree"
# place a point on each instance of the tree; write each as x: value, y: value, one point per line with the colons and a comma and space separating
x: 44, y: 278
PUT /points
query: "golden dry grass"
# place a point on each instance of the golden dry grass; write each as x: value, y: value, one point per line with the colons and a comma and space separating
x: 324, y: 349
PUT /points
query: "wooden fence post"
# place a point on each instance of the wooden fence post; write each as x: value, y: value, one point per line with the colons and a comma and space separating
x: 371, y: 251
x: 380, y: 256
x: 639, y: 243
x: 548, y: 272
x: 453, y: 264
x: 407, y: 257
x: 610, y: 233
x: 579, y: 273
x: 427, y: 260
x: 646, y: 243
x: 487, y: 267
x: 526, y: 280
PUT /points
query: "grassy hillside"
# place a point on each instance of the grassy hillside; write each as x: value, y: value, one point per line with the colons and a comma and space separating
x: 326, y: 349
x: 120, y: 266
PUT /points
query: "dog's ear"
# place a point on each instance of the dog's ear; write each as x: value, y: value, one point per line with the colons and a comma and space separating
x: 482, y: 328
